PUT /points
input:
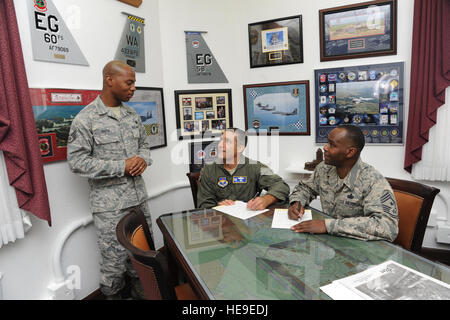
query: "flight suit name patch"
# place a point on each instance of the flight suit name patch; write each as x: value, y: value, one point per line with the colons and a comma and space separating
x: 239, y: 179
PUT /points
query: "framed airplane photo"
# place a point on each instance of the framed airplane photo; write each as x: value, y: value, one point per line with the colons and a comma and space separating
x: 277, y: 108
x: 367, y: 96
x: 359, y: 30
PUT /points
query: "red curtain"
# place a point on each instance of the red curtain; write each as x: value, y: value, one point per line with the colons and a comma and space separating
x: 18, y: 135
x: 430, y: 73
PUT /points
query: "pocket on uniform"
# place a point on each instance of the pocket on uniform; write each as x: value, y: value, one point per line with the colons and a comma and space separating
x: 136, y: 133
x: 105, y: 139
x: 107, y: 145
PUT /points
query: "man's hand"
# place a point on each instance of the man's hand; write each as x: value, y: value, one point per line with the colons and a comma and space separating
x: 135, y: 166
x: 260, y: 203
x: 311, y: 226
x: 294, y: 213
x: 226, y: 202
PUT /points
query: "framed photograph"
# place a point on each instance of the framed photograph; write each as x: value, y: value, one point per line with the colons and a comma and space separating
x: 54, y: 111
x: 202, y: 153
x: 276, y: 42
x: 149, y: 104
x: 359, y: 30
x: 369, y: 96
x: 202, y: 113
x: 281, y: 108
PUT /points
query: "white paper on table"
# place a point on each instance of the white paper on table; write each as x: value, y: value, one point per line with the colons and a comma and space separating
x: 282, y: 221
x: 337, y: 291
x: 239, y: 210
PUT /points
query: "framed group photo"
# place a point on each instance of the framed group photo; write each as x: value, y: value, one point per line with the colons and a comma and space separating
x: 149, y: 104
x: 276, y: 42
x: 277, y: 108
x: 367, y: 96
x: 358, y: 30
x: 203, y: 112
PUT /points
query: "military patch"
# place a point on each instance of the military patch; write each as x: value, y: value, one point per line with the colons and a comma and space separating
x: 239, y: 179
x: 72, y: 136
x: 387, y: 202
x: 223, y: 182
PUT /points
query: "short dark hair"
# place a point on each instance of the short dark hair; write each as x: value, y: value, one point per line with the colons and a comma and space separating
x: 241, y: 136
x: 355, y: 135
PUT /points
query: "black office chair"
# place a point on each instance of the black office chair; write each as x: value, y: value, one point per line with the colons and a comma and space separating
x: 151, y: 266
x: 194, y: 182
x: 414, y: 202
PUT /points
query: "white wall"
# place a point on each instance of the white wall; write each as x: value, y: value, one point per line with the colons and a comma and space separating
x: 26, y: 264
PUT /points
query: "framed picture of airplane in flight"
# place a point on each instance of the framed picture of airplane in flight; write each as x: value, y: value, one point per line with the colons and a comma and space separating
x: 367, y: 96
x: 280, y: 108
x: 149, y: 104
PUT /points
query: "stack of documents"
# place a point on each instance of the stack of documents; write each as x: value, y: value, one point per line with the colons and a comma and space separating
x: 388, y: 281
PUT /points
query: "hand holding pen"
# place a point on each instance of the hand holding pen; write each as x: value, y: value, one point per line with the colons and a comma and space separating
x: 260, y: 203
x: 296, y: 211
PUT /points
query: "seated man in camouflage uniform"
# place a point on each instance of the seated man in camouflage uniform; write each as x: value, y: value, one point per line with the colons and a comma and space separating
x: 108, y: 145
x: 235, y: 177
x: 357, y: 197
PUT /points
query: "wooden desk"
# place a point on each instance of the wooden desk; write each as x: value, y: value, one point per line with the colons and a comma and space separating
x: 228, y: 258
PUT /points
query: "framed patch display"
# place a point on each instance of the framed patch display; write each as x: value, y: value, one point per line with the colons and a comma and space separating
x: 369, y: 96
x: 149, y: 104
x: 276, y: 42
x: 281, y: 108
x: 203, y: 112
x: 54, y: 111
x: 202, y: 153
x: 358, y: 30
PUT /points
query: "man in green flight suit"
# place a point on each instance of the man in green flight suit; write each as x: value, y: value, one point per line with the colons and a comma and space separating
x: 235, y: 177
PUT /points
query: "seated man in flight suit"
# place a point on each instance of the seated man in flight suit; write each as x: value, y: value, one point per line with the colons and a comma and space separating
x: 235, y: 177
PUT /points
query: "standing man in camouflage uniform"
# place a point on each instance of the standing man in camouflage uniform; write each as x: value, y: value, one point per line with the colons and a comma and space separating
x: 108, y: 145
x: 357, y: 197
x: 235, y: 177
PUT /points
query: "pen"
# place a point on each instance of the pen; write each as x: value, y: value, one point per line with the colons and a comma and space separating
x: 256, y: 195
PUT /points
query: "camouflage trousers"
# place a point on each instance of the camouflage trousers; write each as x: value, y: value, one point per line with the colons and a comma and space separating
x: 114, y: 261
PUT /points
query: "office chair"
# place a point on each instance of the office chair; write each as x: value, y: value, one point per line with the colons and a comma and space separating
x: 414, y: 202
x: 194, y: 182
x: 151, y: 266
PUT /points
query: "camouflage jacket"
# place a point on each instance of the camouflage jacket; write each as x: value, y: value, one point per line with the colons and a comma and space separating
x: 97, y: 147
x: 362, y: 204
x: 250, y: 177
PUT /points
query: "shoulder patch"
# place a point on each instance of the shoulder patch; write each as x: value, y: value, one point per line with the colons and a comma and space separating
x: 222, y: 182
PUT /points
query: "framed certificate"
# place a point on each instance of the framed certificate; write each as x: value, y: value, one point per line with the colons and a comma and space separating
x: 276, y: 42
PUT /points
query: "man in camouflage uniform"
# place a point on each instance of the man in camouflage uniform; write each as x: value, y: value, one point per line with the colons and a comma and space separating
x: 356, y: 196
x: 108, y: 145
x: 235, y: 177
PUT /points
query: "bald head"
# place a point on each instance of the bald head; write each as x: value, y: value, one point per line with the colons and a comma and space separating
x: 114, y: 67
x: 118, y: 83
